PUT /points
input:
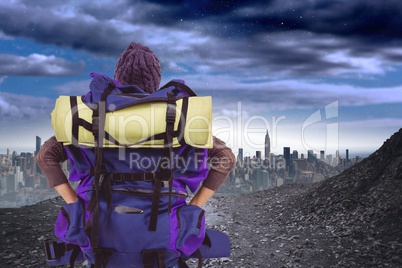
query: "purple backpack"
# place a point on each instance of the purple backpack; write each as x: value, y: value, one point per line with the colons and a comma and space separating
x: 132, y: 209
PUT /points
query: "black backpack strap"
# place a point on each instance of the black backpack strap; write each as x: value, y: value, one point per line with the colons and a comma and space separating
x: 165, y: 169
x: 182, y: 263
x: 170, y: 120
x: 56, y: 250
x: 176, y: 84
x: 74, y: 255
x: 75, y: 118
x: 151, y: 255
x: 98, y: 130
x: 155, y: 204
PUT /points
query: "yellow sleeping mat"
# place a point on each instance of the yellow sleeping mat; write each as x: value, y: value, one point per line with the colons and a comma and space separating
x: 139, y: 126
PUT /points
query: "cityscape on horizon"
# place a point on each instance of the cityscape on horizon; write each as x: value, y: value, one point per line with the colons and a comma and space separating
x: 249, y: 152
x: 22, y: 182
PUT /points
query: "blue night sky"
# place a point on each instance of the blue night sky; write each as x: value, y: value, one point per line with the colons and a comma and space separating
x: 317, y: 74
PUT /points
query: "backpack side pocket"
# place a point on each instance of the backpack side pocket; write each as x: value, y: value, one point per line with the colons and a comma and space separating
x: 70, y: 223
x: 191, y: 229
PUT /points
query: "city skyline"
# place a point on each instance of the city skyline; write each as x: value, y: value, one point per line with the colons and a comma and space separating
x: 346, y: 153
x: 289, y: 153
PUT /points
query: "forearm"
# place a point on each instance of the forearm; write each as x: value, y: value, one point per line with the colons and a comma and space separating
x: 66, y: 192
x: 50, y: 155
x: 202, y: 196
x: 221, y: 160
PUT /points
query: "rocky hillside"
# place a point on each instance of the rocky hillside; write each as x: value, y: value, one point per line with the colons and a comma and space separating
x: 368, y: 196
x: 351, y: 220
x: 364, y: 203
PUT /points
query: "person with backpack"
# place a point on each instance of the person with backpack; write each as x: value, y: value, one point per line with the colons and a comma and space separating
x: 138, y: 67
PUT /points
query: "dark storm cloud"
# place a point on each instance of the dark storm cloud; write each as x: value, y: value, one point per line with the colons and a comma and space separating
x: 257, y: 32
x: 278, y: 54
x: 49, y: 27
x: 275, y: 98
x: 294, y: 38
x: 377, y: 20
x: 37, y: 65
x: 173, y: 10
x: 108, y: 10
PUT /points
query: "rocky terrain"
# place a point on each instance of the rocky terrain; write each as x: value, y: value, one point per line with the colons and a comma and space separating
x: 351, y: 220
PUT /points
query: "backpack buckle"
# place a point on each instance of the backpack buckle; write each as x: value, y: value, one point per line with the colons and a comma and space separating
x: 171, y: 113
x: 51, y: 252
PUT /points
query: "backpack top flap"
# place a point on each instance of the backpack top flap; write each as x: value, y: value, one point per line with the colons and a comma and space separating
x: 134, y: 119
x: 123, y: 96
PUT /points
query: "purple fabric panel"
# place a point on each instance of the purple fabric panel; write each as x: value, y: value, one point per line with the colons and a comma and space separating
x: 220, y: 245
x: 80, y: 164
x: 117, y: 83
x: 174, y: 224
x: 100, y: 82
x: 195, y: 171
x: 190, y: 233
x: 194, y: 240
x: 61, y: 226
x: 70, y: 225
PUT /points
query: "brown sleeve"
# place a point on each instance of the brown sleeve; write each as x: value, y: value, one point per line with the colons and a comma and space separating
x: 222, y: 161
x: 50, y: 155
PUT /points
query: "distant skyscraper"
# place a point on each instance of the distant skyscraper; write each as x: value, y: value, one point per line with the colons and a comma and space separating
x: 38, y: 144
x: 240, y: 157
x: 310, y: 156
x: 258, y: 154
x: 286, y: 155
x: 347, y: 155
x: 295, y: 154
x: 267, y: 145
x: 240, y: 154
x: 322, y: 155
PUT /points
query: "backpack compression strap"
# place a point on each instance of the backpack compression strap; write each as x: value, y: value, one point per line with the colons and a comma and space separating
x: 148, y: 258
x: 165, y: 170
x: 98, y: 122
x: 59, y: 253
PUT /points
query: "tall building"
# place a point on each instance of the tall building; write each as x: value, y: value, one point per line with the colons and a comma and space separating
x: 286, y: 155
x: 295, y: 155
x: 38, y: 144
x: 337, y: 160
x: 240, y: 156
x: 267, y: 145
x: 347, y: 155
x: 310, y: 156
x: 258, y: 155
x: 322, y: 155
